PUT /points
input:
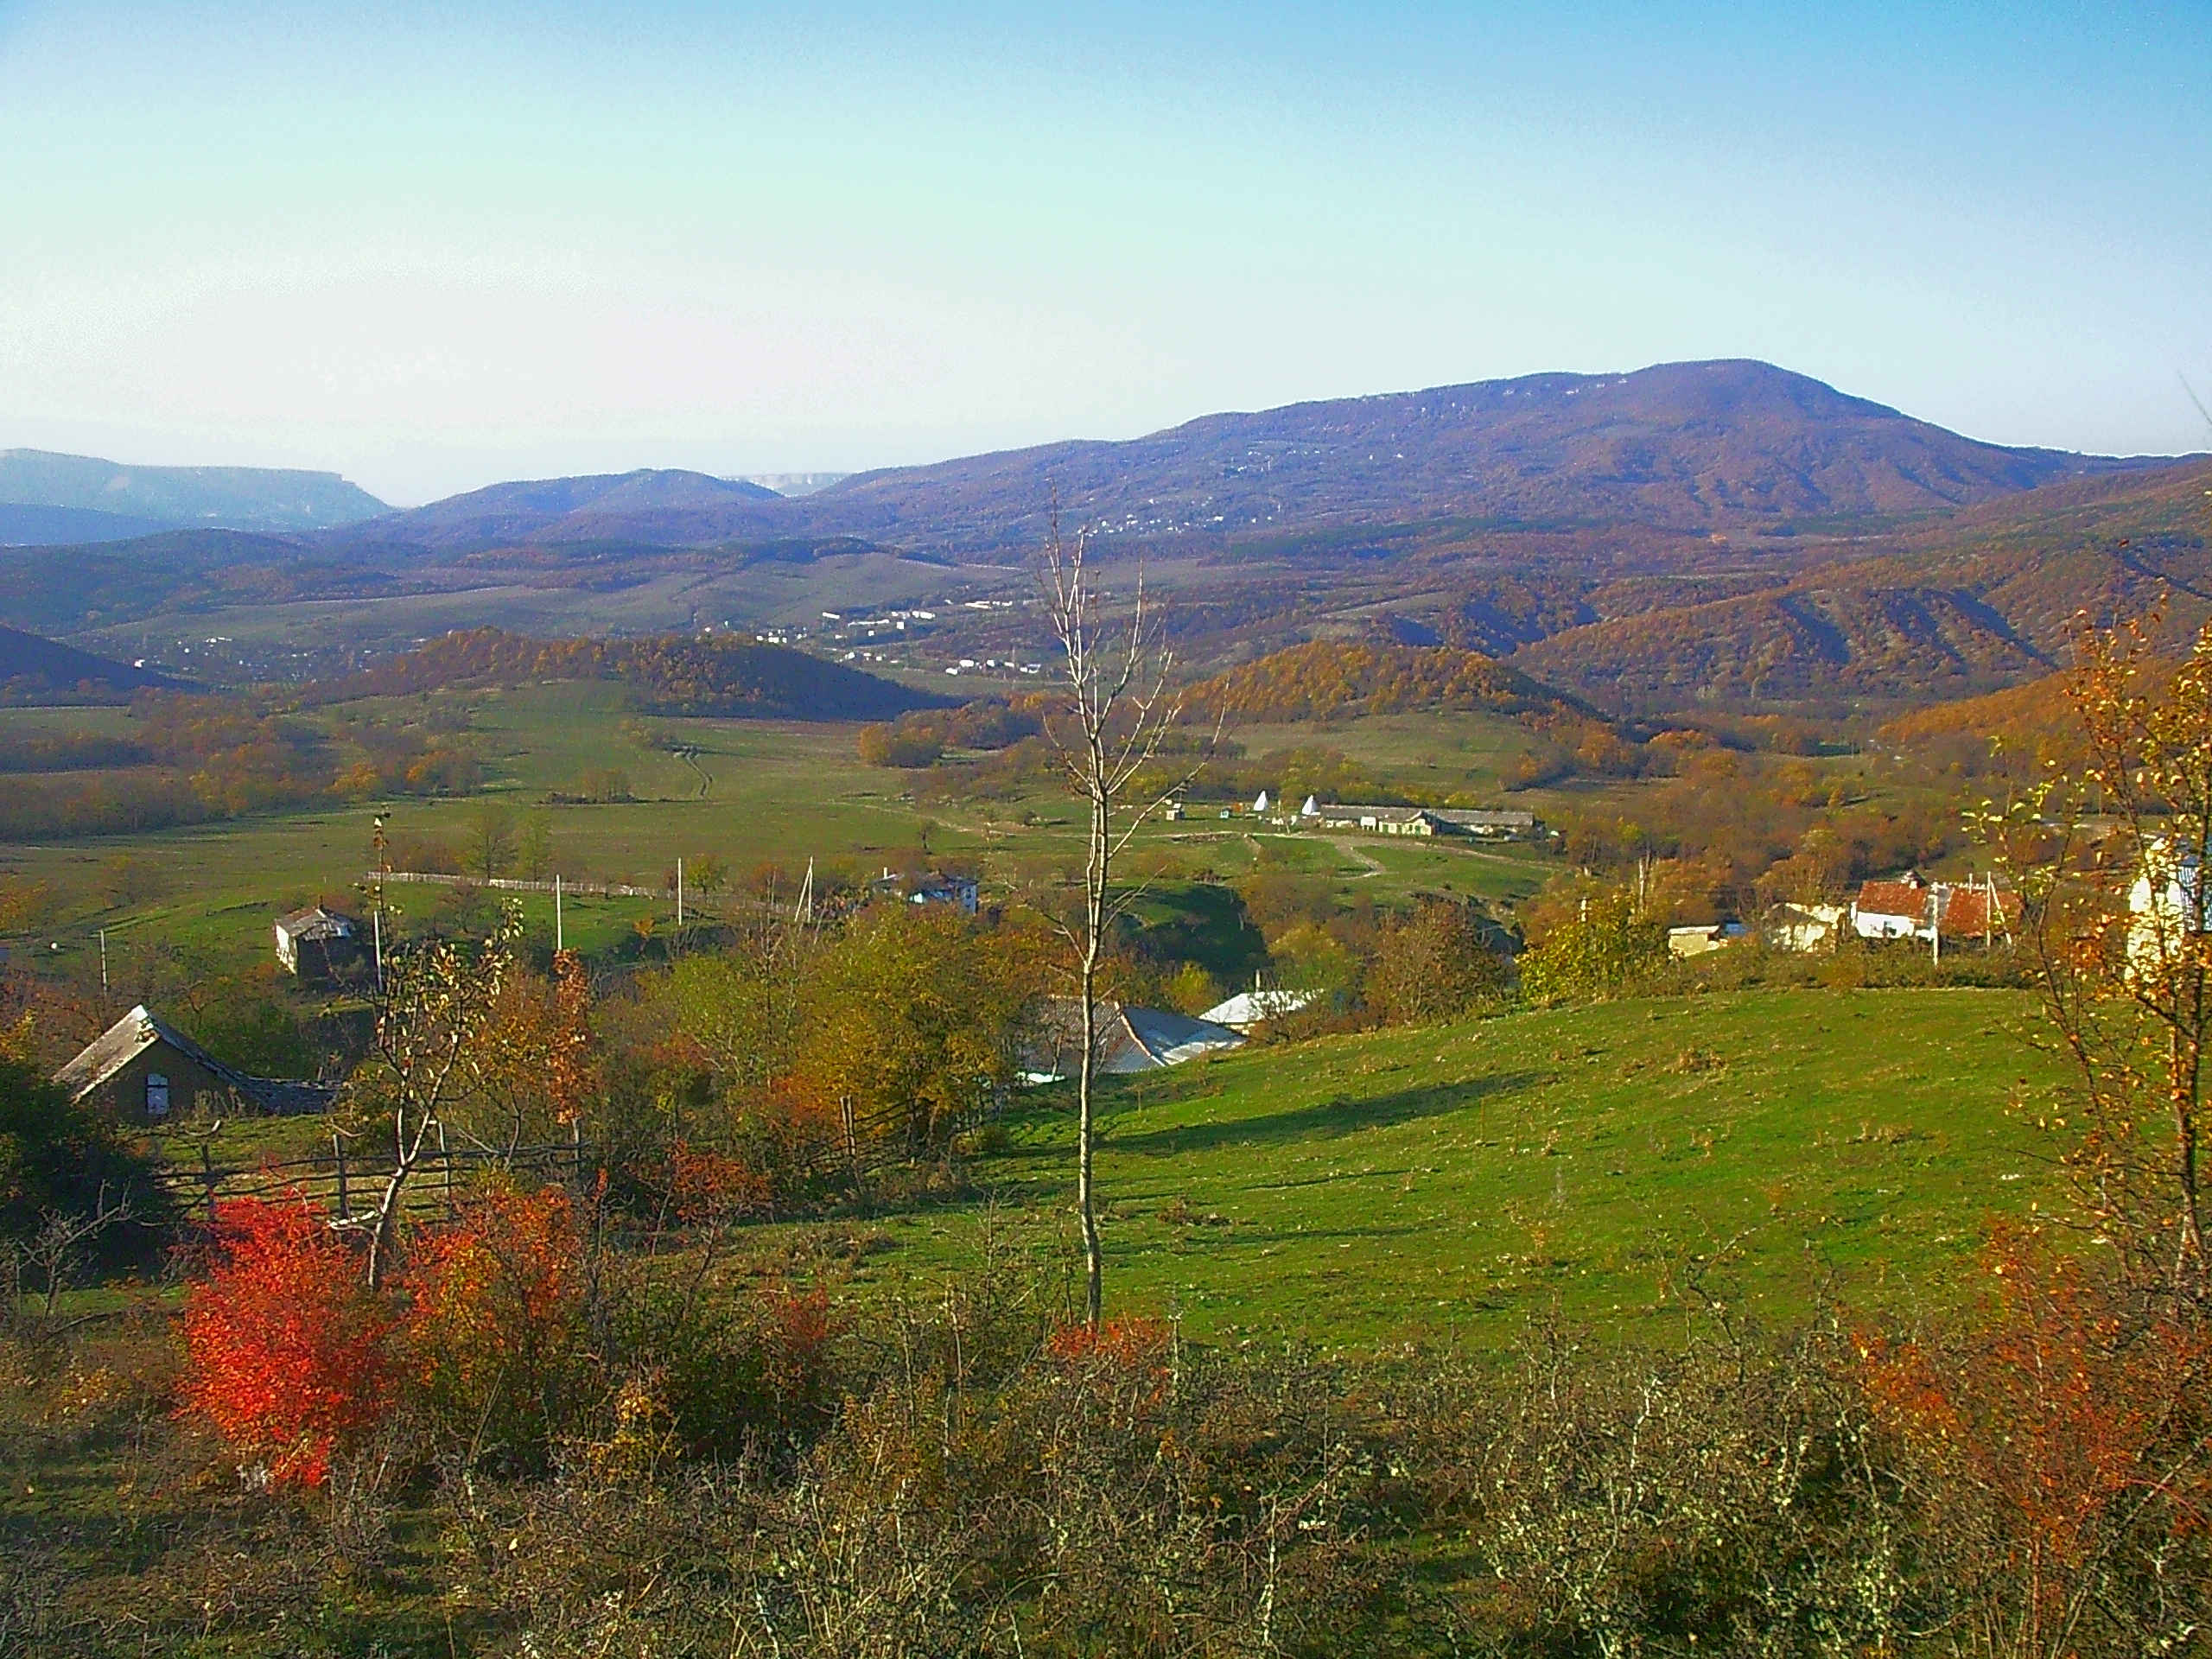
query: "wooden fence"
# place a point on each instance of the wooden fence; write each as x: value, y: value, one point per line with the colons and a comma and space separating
x: 347, y: 1180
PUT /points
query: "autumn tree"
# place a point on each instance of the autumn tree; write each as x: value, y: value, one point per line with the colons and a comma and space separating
x: 1437, y: 964
x: 2112, y: 851
x: 913, y: 1019
x: 492, y: 840
x: 1607, y: 946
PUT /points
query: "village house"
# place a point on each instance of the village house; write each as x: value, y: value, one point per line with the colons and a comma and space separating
x: 1935, y: 913
x: 2168, y: 907
x: 959, y: 892
x: 144, y: 1071
x: 1248, y: 1008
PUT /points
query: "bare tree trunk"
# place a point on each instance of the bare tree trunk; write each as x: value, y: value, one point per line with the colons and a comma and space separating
x: 1096, y: 870
x: 1116, y: 681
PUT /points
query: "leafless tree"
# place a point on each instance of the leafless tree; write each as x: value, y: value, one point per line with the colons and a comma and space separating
x: 1118, y: 711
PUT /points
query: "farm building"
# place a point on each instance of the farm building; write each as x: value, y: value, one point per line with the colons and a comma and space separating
x: 1482, y: 823
x: 1248, y: 1008
x: 1383, y: 820
x: 1490, y: 825
x: 1699, y: 940
x: 141, y: 1069
x: 1803, y: 927
x: 317, y: 943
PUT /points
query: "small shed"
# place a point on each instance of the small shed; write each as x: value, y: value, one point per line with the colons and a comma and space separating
x: 317, y: 943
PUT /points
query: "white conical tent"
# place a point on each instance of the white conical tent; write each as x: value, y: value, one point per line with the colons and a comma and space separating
x: 1261, y: 805
x: 1311, y: 809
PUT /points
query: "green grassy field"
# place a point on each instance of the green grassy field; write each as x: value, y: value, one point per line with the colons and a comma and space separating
x: 751, y: 792
x: 1449, y: 1184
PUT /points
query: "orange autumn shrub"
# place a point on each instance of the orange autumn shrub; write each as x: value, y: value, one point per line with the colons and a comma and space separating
x: 1126, y: 1344
x: 706, y: 1186
x: 283, y: 1347
x: 494, y: 1311
x: 2062, y: 1438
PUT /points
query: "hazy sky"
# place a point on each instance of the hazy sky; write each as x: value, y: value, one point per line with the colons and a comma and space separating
x: 433, y: 246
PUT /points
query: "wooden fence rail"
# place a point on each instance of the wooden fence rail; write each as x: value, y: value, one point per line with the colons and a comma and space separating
x: 346, y: 1180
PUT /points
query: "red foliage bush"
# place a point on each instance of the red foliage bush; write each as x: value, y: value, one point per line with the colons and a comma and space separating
x: 284, y: 1349
x: 797, y: 1330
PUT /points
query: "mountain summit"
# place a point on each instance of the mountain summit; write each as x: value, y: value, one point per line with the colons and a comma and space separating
x: 1682, y: 445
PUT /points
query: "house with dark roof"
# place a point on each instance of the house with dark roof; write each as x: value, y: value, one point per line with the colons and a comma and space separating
x: 144, y: 1071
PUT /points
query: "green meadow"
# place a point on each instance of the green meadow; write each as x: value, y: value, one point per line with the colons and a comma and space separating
x: 1618, y: 1165
x: 745, y: 793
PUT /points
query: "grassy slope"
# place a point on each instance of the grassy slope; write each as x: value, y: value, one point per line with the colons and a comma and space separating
x: 1452, y: 1182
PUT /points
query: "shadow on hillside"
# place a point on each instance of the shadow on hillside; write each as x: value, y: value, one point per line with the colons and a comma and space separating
x: 1329, y: 1117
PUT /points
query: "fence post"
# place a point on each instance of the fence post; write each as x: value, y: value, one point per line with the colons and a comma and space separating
x: 207, y: 1175
x: 338, y: 1156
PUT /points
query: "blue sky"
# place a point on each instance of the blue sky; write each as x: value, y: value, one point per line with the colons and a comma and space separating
x: 435, y: 246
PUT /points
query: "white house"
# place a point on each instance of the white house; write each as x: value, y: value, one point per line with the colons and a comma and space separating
x: 2167, y: 906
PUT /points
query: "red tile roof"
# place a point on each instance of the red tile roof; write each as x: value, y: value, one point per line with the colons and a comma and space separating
x: 1893, y: 899
x: 1968, y: 912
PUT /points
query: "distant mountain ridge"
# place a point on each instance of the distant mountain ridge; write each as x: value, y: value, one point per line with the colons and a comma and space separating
x: 1686, y: 447
x: 1711, y: 445
x: 230, y: 497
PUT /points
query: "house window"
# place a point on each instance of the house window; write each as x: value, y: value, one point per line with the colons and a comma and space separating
x: 157, y: 1095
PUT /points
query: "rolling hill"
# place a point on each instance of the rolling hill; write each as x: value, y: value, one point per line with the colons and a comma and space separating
x: 1981, y: 601
x: 666, y: 509
x: 235, y: 497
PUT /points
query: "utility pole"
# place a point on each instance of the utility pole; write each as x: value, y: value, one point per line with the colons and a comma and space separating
x: 559, y: 943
